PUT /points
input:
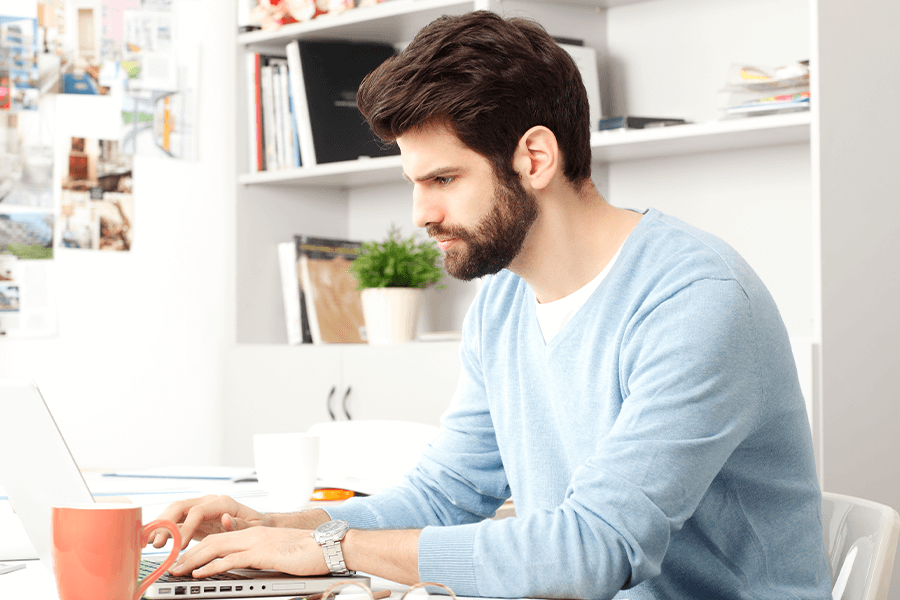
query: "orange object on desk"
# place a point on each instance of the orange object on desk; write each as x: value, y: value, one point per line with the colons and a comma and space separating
x: 327, y: 494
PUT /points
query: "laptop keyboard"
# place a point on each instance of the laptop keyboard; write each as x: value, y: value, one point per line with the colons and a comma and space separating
x: 148, y: 566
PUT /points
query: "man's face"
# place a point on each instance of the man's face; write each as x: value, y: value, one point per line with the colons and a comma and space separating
x: 480, y: 223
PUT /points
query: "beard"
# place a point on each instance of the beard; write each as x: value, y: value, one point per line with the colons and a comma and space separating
x: 497, y: 239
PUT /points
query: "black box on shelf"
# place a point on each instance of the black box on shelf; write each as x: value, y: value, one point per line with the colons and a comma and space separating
x: 628, y: 122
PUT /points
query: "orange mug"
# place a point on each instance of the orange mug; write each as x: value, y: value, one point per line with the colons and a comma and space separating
x: 97, y: 550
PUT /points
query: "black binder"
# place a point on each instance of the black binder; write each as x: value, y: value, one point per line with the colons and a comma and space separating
x: 332, y: 72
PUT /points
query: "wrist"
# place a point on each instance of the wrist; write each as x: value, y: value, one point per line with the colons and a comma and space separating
x: 305, y: 519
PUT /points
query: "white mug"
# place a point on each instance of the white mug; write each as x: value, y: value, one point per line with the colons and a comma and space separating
x: 286, y: 467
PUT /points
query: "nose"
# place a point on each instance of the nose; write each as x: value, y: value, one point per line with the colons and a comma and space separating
x: 426, y: 209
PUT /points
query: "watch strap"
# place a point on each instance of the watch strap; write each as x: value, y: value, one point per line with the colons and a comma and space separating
x: 334, y: 558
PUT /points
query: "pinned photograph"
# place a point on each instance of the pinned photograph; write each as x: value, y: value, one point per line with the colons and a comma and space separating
x: 26, y: 165
x: 162, y: 123
x: 9, y: 297
x: 19, y: 74
x: 27, y: 235
x: 96, y: 203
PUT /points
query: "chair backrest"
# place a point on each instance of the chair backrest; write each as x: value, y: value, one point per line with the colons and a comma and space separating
x: 860, y: 540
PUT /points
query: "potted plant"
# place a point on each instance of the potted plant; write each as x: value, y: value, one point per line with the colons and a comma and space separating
x: 392, y: 277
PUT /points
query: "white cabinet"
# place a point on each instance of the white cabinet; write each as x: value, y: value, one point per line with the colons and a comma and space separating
x: 810, y: 199
x: 407, y: 382
x: 289, y: 388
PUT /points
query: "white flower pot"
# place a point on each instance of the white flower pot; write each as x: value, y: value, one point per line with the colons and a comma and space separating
x: 391, y: 314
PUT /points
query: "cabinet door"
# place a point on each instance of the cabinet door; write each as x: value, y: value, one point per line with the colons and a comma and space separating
x: 407, y: 382
x: 274, y: 389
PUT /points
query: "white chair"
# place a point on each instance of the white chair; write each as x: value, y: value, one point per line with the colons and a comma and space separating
x: 860, y: 540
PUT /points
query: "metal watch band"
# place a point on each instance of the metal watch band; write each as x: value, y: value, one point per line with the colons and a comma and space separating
x: 334, y: 558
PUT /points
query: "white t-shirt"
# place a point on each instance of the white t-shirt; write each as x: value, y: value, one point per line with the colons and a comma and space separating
x: 553, y: 316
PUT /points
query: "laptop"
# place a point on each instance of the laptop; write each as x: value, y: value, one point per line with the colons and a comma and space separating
x: 44, y: 474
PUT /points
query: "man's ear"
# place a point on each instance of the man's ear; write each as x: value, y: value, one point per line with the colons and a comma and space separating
x: 537, y: 157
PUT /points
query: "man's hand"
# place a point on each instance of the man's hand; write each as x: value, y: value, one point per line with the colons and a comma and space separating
x: 200, y: 517
x: 287, y: 550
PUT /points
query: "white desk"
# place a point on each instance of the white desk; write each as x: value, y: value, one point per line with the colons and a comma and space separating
x: 35, y: 582
x: 154, y: 494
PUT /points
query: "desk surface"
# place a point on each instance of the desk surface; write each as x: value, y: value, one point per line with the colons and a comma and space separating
x: 153, y: 494
x: 37, y: 583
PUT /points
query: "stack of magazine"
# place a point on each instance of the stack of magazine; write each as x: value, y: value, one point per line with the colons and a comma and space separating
x: 321, y: 302
x: 758, y: 90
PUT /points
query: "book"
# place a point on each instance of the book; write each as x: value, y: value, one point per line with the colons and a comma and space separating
x: 332, y: 72
x: 307, y: 155
x: 333, y: 304
x: 626, y: 122
x: 772, y: 104
x: 268, y: 117
x: 287, y: 122
x: 278, y: 109
x: 254, y: 116
x: 295, y: 135
x: 290, y: 286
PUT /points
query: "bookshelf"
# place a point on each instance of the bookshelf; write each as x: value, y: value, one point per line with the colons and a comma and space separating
x: 636, y: 144
x: 794, y: 193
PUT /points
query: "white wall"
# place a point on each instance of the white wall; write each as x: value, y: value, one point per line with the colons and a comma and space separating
x: 134, y: 377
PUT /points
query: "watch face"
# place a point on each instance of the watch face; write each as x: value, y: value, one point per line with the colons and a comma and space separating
x: 332, y: 529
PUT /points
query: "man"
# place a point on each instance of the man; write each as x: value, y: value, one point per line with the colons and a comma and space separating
x: 626, y: 379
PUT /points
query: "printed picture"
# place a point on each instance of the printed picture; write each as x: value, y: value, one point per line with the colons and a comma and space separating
x: 9, y: 297
x: 19, y: 73
x: 89, y: 45
x: 27, y: 235
x: 96, y: 204
x: 162, y: 123
x: 26, y: 166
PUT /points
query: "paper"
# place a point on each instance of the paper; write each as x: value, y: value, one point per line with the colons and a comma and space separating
x: 187, y: 472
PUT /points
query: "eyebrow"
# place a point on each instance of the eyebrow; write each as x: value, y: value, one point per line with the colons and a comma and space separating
x: 439, y: 172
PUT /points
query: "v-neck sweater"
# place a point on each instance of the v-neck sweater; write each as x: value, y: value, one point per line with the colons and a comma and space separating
x: 657, y: 447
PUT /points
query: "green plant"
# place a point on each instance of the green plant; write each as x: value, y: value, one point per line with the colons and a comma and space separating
x: 397, y: 262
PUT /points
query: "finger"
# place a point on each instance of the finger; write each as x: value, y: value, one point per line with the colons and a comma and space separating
x: 212, y: 547
x: 211, y: 510
x: 230, y: 523
x: 160, y: 539
x: 176, y: 512
x: 236, y: 560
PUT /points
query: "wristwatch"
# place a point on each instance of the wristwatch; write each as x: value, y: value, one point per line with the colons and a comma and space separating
x: 329, y: 536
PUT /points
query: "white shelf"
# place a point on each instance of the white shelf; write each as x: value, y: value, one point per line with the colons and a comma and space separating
x: 390, y: 21
x: 698, y: 138
x: 345, y: 174
x: 606, y: 146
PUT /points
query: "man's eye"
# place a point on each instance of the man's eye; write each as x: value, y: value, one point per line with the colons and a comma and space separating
x: 443, y: 180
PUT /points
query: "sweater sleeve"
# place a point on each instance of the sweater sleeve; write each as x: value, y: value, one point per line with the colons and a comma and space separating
x: 691, y: 393
x: 459, y: 479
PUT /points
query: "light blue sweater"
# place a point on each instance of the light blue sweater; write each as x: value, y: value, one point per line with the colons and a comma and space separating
x: 659, y: 444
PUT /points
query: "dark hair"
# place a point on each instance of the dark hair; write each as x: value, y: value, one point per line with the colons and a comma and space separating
x: 490, y: 80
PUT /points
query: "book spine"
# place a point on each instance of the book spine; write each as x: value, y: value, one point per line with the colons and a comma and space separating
x: 268, y: 102
x: 287, y: 120
x: 295, y: 138
x: 309, y: 300
x: 290, y: 286
x: 304, y: 125
x: 279, y: 115
x: 254, y: 116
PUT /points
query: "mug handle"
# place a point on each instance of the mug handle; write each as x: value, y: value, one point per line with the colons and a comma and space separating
x: 149, y: 528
